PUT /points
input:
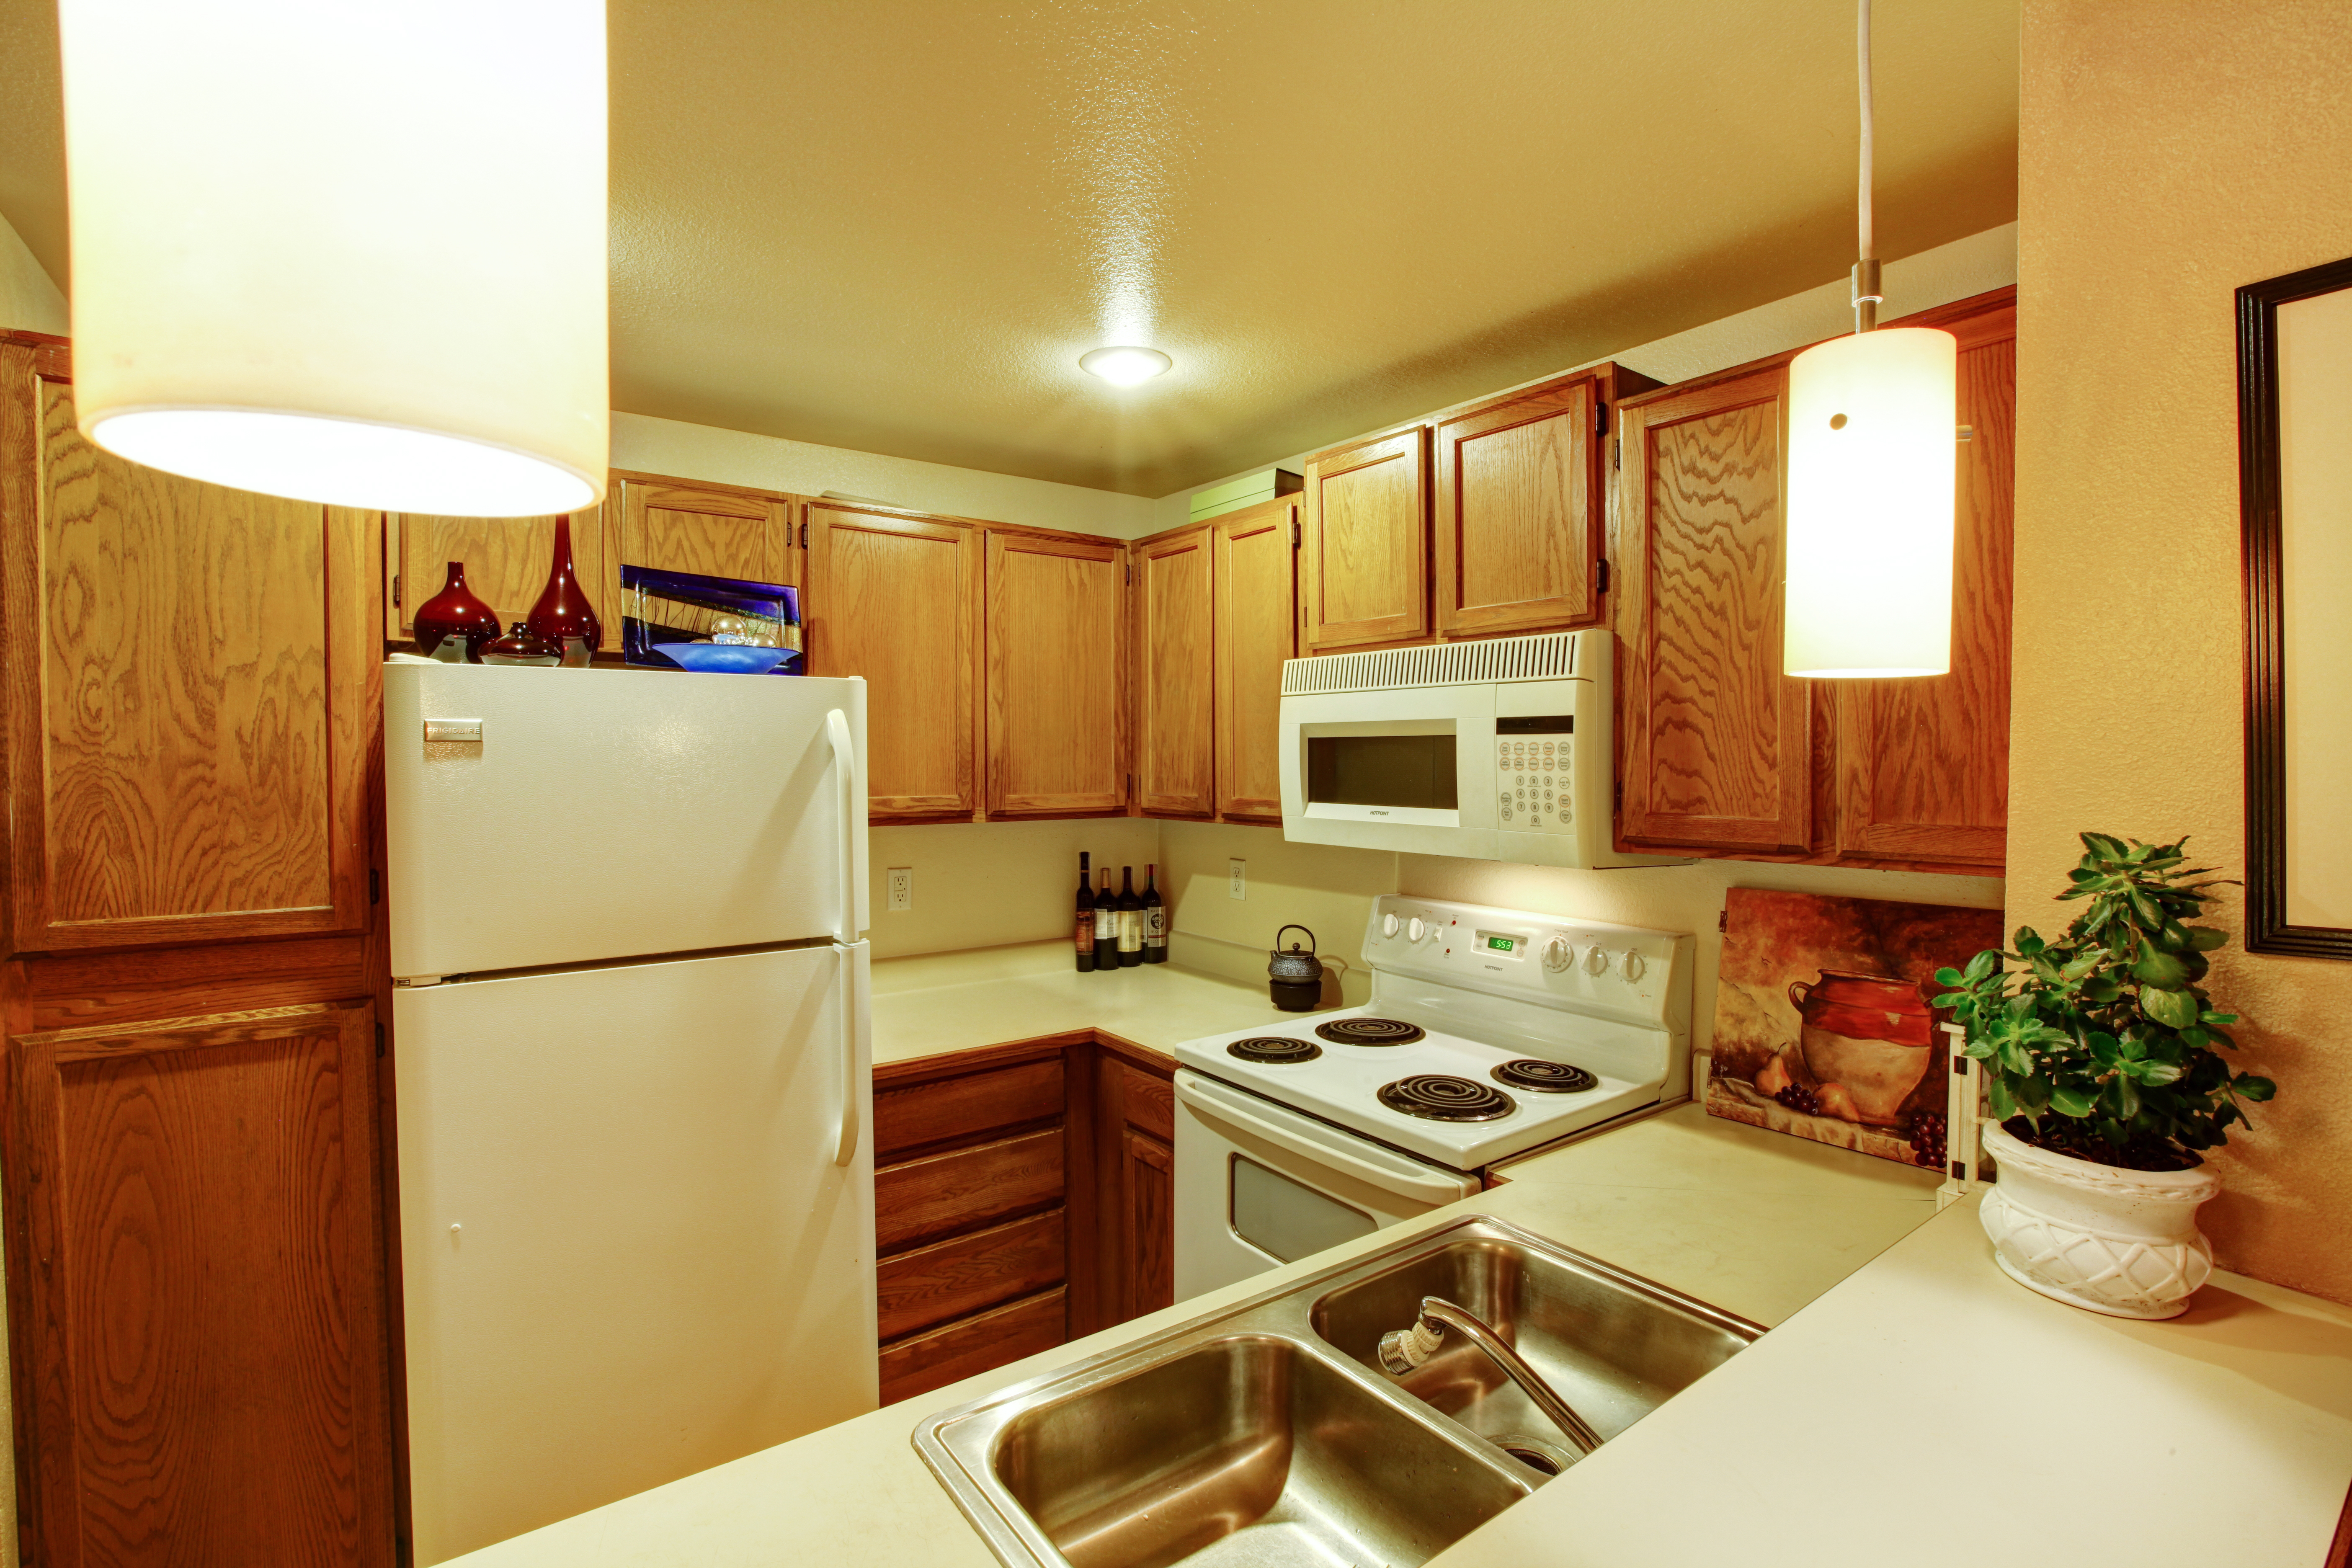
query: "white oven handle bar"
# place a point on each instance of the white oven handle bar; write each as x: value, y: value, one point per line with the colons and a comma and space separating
x: 1304, y: 1136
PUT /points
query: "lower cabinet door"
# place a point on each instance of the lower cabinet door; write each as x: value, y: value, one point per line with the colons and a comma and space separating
x: 196, y: 1284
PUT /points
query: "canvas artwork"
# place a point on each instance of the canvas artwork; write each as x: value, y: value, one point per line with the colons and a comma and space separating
x: 1822, y: 1027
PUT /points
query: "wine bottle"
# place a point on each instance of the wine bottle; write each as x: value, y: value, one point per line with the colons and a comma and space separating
x: 1130, y: 920
x: 1106, y: 925
x: 1086, y: 942
x: 1155, y: 918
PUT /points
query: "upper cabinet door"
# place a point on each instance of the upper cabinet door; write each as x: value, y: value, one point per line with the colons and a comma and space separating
x: 507, y: 561
x: 1923, y: 764
x: 897, y: 600
x: 692, y: 528
x: 1714, y: 742
x: 1174, y: 749
x: 192, y: 676
x: 1256, y: 628
x: 1364, y: 564
x: 1519, y: 517
x: 1056, y: 676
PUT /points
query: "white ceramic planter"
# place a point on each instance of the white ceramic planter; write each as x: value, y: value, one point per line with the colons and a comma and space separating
x: 2124, y: 1242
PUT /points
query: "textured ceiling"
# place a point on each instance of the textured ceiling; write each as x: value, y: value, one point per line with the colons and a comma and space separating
x: 895, y: 225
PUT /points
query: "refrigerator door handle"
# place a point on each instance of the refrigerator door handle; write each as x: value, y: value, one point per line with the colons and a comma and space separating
x: 845, y: 1148
x: 845, y: 768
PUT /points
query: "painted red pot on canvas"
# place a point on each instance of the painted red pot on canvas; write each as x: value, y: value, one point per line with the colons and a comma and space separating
x: 1872, y: 1033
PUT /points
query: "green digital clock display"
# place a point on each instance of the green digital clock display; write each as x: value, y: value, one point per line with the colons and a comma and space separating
x: 1504, y: 943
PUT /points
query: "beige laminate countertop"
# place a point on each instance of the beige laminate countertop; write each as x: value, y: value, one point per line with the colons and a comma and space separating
x: 1910, y: 1402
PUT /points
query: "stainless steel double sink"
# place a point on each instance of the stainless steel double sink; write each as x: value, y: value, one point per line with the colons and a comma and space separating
x: 1267, y: 1434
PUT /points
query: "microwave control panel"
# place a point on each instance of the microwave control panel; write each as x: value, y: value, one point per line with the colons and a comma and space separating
x: 1534, y: 773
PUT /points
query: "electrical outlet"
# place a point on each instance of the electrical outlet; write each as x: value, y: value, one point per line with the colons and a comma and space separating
x: 902, y: 887
x: 1237, y: 879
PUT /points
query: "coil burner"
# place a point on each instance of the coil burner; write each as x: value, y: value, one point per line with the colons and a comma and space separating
x: 1436, y: 1098
x: 1276, y: 1050
x: 1545, y: 1077
x: 1369, y: 1032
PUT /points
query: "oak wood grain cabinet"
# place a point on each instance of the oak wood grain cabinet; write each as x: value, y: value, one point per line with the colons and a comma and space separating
x: 1719, y: 753
x: 720, y: 530
x: 200, y: 1338
x: 1257, y: 628
x: 1714, y: 742
x: 1923, y: 764
x: 896, y: 598
x: 1521, y: 506
x: 1135, y: 1167
x: 1057, y: 661
x: 972, y: 1203
x: 197, y: 1292
x: 507, y: 560
x: 1363, y: 570
x: 1175, y: 736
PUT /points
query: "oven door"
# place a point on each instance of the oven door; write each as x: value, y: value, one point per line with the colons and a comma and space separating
x: 1411, y: 769
x: 1258, y: 1185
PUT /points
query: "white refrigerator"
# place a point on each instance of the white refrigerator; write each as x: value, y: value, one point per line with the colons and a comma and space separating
x: 632, y: 1058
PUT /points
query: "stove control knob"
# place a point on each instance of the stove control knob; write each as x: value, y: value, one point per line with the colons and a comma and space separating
x: 1388, y: 925
x: 1596, y: 960
x: 1631, y: 965
x: 1558, y: 955
x: 1414, y: 931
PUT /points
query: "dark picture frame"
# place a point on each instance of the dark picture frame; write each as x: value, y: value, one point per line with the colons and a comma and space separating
x: 2262, y: 534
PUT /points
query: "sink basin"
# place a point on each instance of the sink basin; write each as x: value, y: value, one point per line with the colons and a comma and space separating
x: 1266, y: 1435
x: 1249, y: 1449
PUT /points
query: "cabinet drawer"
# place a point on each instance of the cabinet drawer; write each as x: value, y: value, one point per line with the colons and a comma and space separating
x: 922, y: 1289
x: 938, y: 1110
x: 975, y: 1344
x: 939, y: 1195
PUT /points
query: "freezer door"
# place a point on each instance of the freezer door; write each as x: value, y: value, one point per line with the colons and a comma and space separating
x: 627, y: 1251
x: 543, y: 816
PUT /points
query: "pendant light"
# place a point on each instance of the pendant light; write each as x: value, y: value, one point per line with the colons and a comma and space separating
x: 343, y: 251
x: 1871, y: 473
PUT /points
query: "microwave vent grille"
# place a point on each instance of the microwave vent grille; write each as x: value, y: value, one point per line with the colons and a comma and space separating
x: 1549, y: 657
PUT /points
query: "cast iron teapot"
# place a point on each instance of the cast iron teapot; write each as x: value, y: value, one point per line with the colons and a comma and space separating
x: 1295, y: 976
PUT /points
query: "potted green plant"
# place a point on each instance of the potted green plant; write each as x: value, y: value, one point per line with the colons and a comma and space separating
x: 2104, y: 1064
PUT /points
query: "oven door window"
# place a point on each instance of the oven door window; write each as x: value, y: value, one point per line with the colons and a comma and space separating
x: 1411, y: 771
x: 1286, y: 1219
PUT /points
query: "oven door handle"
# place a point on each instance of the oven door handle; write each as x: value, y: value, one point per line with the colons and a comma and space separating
x: 1231, y: 1105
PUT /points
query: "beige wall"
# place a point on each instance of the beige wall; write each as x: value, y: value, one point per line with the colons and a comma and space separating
x: 738, y: 457
x: 29, y: 298
x: 987, y: 884
x: 2171, y: 150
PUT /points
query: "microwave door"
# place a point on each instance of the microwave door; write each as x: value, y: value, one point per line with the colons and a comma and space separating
x: 1409, y: 771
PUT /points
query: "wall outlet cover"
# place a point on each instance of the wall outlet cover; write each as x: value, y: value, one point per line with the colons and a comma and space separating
x: 902, y: 887
x: 1237, y: 879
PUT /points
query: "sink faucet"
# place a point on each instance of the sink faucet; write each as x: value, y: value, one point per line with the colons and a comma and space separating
x: 1404, y: 1349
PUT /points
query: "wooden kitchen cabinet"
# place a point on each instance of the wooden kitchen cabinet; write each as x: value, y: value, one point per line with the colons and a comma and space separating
x: 1257, y: 628
x: 1923, y: 764
x: 972, y: 1206
x: 1714, y: 742
x: 896, y: 599
x: 1718, y: 752
x: 197, y: 1292
x: 507, y: 560
x: 1521, y: 507
x: 1135, y: 1164
x: 720, y: 530
x: 1056, y: 676
x: 1363, y: 563
x: 1175, y: 751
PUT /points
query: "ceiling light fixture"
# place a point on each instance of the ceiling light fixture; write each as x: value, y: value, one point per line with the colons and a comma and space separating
x: 346, y: 253
x: 1125, y: 366
x: 1870, y: 471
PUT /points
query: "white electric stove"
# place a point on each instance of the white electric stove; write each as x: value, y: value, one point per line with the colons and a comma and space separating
x: 1489, y: 1033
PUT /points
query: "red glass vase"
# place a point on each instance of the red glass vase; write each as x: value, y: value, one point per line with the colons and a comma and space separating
x: 455, y: 612
x: 564, y: 615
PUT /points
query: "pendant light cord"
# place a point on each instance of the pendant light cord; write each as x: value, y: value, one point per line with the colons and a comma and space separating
x: 1866, y: 295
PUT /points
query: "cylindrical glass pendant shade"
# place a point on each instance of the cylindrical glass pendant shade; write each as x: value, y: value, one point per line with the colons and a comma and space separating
x: 1871, y: 475
x: 346, y: 252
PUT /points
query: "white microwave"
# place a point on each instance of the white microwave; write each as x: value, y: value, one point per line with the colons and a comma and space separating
x: 1492, y: 750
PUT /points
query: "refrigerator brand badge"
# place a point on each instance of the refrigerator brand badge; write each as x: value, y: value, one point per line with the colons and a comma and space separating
x: 458, y: 732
